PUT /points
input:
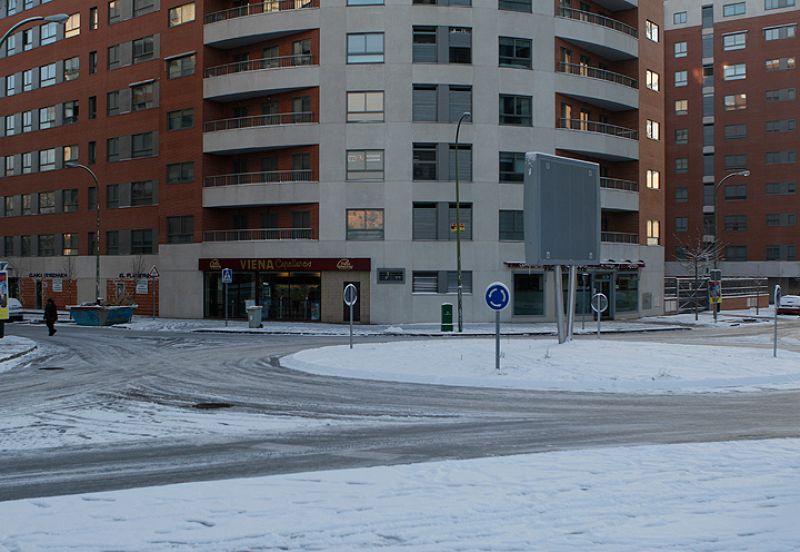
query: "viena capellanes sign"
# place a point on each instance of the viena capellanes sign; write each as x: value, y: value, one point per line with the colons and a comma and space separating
x: 287, y: 264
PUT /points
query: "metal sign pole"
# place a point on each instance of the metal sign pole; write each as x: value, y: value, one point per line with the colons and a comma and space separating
x: 497, y: 340
x: 153, y: 295
x: 599, y: 314
x: 226, y: 304
x: 351, y: 325
x: 775, y: 332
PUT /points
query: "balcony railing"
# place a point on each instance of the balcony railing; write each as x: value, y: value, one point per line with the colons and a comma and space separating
x: 595, y: 73
x: 259, y: 65
x: 603, y: 128
x: 258, y: 234
x: 268, y: 6
x: 601, y: 20
x: 273, y: 119
x: 619, y: 237
x: 263, y: 177
x: 619, y: 184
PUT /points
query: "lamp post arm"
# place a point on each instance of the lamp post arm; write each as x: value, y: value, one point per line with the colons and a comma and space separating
x: 58, y: 18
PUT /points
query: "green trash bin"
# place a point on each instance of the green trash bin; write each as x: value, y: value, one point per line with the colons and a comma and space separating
x: 447, y: 317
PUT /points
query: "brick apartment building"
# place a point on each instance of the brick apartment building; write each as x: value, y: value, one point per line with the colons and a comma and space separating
x: 732, y: 104
x: 307, y: 144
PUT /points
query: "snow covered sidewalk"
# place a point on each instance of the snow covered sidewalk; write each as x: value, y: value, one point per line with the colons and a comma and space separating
x: 11, y: 348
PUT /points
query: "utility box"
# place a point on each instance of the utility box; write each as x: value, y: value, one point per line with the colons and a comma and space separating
x: 562, y: 211
x: 447, y: 317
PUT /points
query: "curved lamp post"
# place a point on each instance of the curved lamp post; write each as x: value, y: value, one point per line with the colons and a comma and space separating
x: 465, y: 115
x: 76, y: 165
x: 57, y: 18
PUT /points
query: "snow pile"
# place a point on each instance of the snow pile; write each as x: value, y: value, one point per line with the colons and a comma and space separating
x: 12, y: 348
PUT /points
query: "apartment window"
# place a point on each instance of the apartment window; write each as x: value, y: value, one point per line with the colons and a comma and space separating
x: 181, y: 66
x: 72, y: 67
x: 781, y: 188
x: 681, y: 194
x: 92, y: 155
x: 72, y: 27
x: 516, y: 110
x: 27, y: 121
x: 424, y: 48
x: 781, y: 32
x: 425, y: 282
x: 735, y: 192
x: 681, y: 224
x: 143, y: 49
x: 735, y: 161
x: 8, y: 244
x: 141, y: 7
x: 112, y: 103
x: 653, y: 129
x: 511, y: 225
x: 512, y: 166
x: 142, y: 145
x: 651, y: 30
x: 180, y: 172
x: 708, y: 135
x: 181, y: 14
x: 9, y: 166
x: 69, y: 244
x: 94, y: 19
x: 734, y: 41
x: 114, y: 11
x: 27, y: 40
x: 112, y: 242
x: 47, y: 160
x: 47, y: 245
x: 777, y: 4
x: 365, y: 48
x: 112, y: 196
x: 681, y: 135
x: 781, y: 253
x: 113, y: 57
x: 781, y: 125
x: 364, y: 164
x: 47, y: 203
x: 785, y: 157
x: 48, y: 33
x: 424, y: 162
x: 69, y: 200
x: 735, y: 132
x: 737, y: 8
x: 364, y: 224
x: 142, y: 193
x: 781, y: 219
x: 11, y: 45
x: 25, y: 248
x: 653, y: 80
x: 460, y: 44
x: 180, y: 229
x: 425, y: 102
x: 10, y: 124
x: 92, y: 62
x: 681, y: 107
x: 70, y: 153
x: 112, y: 150
x: 141, y: 242
x: 11, y: 85
x: 515, y: 5
x: 781, y: 95
x: 653, y: 232
x: 380, y: 2
x: 516, y: 52
x: 364, y: 106
x: 779, y: 64
x: 27, y: 80
x: 681, y: 165
x: 27, y: 204
x: 142, y: 96
x: 735, y: 102
x: 27, y: 162
x: 735, y: 72
x: 707, y: 16
x: 180, y: 119
x: 681, y: 78
x: 653, y: 179
x: 680, y: 49
x: 679, y: 18
x: 47, y: 75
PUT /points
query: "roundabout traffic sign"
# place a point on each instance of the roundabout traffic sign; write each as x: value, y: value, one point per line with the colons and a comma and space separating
x: 497, y: 296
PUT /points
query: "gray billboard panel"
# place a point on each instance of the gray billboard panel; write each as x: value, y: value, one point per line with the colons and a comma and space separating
x: 562, y: 211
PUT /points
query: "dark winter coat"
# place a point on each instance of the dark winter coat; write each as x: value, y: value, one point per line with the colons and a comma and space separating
x: 50, y: 312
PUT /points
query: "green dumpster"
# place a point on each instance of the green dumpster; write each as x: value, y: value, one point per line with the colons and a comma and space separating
x: 447, y: 317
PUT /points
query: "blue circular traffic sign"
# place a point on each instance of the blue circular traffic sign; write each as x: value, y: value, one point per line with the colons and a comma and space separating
x: 497, y: 296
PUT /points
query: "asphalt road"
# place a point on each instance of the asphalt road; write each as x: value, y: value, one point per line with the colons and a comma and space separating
x: 91, y: 365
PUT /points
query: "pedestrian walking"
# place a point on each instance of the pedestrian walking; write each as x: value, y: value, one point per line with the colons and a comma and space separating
x: 50, y: 316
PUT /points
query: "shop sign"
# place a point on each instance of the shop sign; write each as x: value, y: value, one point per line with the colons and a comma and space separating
x: 141, y: 286
x: 46, y: 275
x: 287, y: 264
x: 57, y: 285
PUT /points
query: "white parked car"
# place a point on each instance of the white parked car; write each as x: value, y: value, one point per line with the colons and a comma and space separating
x: 790, y: 304
x: 14, y: 309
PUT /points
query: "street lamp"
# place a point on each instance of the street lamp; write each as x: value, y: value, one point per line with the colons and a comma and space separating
x: 465, y: 115
x: 717, y: 243
x: 76, y: 165
x: 57, y: 18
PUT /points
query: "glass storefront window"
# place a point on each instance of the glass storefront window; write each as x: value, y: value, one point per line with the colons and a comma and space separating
x: 627, y: 292
x: 528, y: 294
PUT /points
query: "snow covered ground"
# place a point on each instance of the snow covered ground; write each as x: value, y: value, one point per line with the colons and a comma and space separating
x: 701, y: 497
x: 12, y: 348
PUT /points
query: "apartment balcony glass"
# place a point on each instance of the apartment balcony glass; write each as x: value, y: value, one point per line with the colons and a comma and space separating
x: 258, y: 234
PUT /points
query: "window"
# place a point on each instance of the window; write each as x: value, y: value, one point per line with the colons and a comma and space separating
x: 781, y: 253
x: 141, y: 7
x: 114, y: 11
x: 72, y: 27
x: 143, y: 49
x: 780, y: 64
x: 27, y: 40
x: 679, y: 18
x: 180, y: 119
x: 142, y: 96
x: 781, y: 125
x: 27, y: 121
x: 70, y: 153
x: 681, y: 78
x: 94, y: 19
x: 735, y: 72
x: 47, y: 203
x: 735, y: 132
x: 47, y: 160
x: 9, y: 167
x: 511, y: 226
x: 25, y: 248
x: 364, y: 106
x: 464, y: 162
x: 425, y: 282
x: 512, y: 166
x: 516, y: 110
x: 737, y: 8
x: 180, y: 172
x: 681, y: 194
x: 27, y: 162
x: 707, y: 16
x: 69, y: 244
x: 735, y: 223
x: 142, y: 145
x: 180, y: 229
x: 112, y: 103
x: 681, y: 165
x: 651, y: 30
x: 785, y: 157
x: 11, y: 128
x: 92, y: 62
x: 681, y: 107
x: 48, y: 33
x: 681, y: 135
x: 735, y: 191
x: 27, y: 80
x: 364, y: 224
x: 777, y: 4
x: 781, y: 95
x: 653, y: 179
x: 528, y: 294
x: 734, y: 41
x: 424, y: 162
x: 11, y: 85
x: 47, y: 245
x: 653, y: 232
x: 70, y: 200
x: 735, y: 161
x: 373, y: 2
x: 681, y: 224
x: 424, y: 48
x: 47, y: 75
x: 680, y: 49
x: 27, y: 204
x: 781, y: 32
x: 365, y: 48
x: 735, y: 102
x: 142, y: 193
x: 515, y: 5
x: 72, y: 68
x: 113, y: 56
x: 781, y: 219
x: 653, y: 129
x: 425, y: 102
x: 515, y: 52
x: 141, y: 242
x: 364, y: 164
x: 460, y: 44
x: 11, y: 45
x: 112, y: 150
x: 112, y: 242
x: 112, y: 196
x: 181, y: 14
x: 181, y: 66
x: 653, y: 80
x: 781, y: 188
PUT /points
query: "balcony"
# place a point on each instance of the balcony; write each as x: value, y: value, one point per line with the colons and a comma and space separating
x: 619, y: 184
x: 619, y: 237
x: 252, y: 78
x: 606, y: 89
x: 259, y: 234
x: 253, y: 23
x: 603, y: 36
x: 596, y: 139
x: 619, y: 195
x: 261, y: 132
x: 260, y: 188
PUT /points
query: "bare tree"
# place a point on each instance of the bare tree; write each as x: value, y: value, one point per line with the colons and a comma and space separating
x: 697, y: 257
